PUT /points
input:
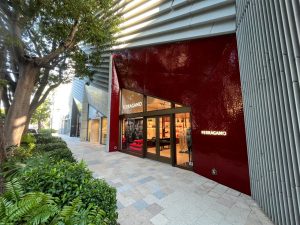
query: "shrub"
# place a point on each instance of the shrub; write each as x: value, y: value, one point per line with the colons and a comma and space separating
x: 46, y: 139
x: 76, y: 213
x: 19, y: 153
x: 28, y: 138
x: 30, y: 208
x: 15, y: 166
x: 64, y: 180
x: 61, y: 153
x: 50, y: 146
x: 67, y: 181
x: 28, y: 141
x: 39, y: 208
x: 99, y: 193
x: 47, y: 131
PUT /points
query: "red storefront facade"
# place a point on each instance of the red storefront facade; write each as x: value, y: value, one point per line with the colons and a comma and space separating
x: 202, y: 74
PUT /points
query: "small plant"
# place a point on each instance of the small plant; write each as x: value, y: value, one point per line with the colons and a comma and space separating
x: 28, y: 142
x: 99, y: 193
x: 76, y: 213
x: 28, y: 138
x: 19, y: 153
x: 63, y: 179
x: 46, y: 139
x: 15, y: 167
x: 67, y: 181
x: 16, y: 207
x: 37, y: 208
x: 50, y: 146
x: 47, y: 131
x: 61, y: 154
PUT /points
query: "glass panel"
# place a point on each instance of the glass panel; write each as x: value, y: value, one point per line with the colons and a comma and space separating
x: 132, y: 102
x: 151, y: 135
x: 94, y: 131
x: 183, y: 140
x: 164, y: 136
x: 157, y: 104
x: 104, y: 131
x: 178, y: 106
x: 132, y: 134
x: 92, y: 112
x: 89, y: 130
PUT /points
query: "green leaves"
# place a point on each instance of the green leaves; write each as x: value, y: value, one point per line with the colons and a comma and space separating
x: 35, y: 208
x: 30, y: 208
x: 51, y: 190
x: 42, y: 113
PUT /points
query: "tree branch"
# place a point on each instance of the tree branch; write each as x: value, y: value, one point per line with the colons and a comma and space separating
x: 41, y: 88
x: 37, y: 48
x: 69, y: 43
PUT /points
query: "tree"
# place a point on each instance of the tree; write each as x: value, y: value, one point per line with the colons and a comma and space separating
x: 41, y: 115
x: 40, y: 37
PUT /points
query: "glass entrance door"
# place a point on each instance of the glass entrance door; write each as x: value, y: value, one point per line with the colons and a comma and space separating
x: 159, y: 138
x: 151, y: 137
x: 165, y: 137
x: 183, y: 140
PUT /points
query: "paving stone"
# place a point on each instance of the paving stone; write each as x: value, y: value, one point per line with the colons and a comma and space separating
x: 154, y: 209
x: 159, y: 194
x: 154, y: 193
x: 93, y: 162
x: 146, y: 179
x: 159, y: 219
x: 140, y: 204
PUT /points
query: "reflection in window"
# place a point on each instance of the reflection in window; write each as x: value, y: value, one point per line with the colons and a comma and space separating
x: 132, y: 134
x: 157, y: 104
x: 132, y: 102
x: 103, y: 130
x: 178, y: 106
x: 183, y: 140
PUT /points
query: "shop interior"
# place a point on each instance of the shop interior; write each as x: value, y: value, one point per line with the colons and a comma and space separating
x: 158, y: 134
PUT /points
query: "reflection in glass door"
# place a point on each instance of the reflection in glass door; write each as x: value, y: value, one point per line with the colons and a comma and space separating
x: 132, y: 135
x: 151, y: 136
x: 103, y: 130
x: 183, y: 140
x: 165, y: 136
x: 159, y: 138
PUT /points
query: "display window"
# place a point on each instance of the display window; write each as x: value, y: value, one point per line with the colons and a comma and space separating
x: 103, y: 130
x: 167, y: 134
x: 132, y: 134
x: 183, y: 140
x: 178, y: 105
x: 132, y: 102
x: 93, y: 130
x: 157, y: 104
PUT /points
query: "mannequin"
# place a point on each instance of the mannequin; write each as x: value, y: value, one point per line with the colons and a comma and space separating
x: 182, y: 139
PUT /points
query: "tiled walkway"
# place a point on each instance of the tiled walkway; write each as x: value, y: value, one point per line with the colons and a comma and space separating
x: 151, y: 192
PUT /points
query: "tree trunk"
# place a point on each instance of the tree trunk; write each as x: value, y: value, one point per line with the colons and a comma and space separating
x: 18, y: 111
x: 29, y: 115
x: 2, y: 154
x: 2, y: 67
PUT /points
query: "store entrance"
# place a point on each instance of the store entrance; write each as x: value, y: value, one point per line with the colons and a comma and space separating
x: 155, y: 128
x: 159, y: 139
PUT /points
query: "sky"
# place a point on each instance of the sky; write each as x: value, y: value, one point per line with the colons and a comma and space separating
x: 61, y: 99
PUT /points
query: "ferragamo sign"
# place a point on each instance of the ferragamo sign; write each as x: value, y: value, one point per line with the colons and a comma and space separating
x: 132, y: 105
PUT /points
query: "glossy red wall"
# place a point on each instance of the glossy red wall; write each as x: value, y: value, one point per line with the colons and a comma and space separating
x: 202, y: 74
x: 114, y: 111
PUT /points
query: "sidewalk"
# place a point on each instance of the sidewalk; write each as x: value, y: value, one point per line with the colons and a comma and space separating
x: 155, y: 193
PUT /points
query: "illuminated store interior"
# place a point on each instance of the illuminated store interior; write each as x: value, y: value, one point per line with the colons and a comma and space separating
x: 156, y: 129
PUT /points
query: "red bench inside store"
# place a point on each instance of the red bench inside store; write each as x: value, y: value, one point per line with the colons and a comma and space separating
x: 136, y: 145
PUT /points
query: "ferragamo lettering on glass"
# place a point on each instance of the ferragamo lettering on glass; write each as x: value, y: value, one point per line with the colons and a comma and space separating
x: 132, y: 102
